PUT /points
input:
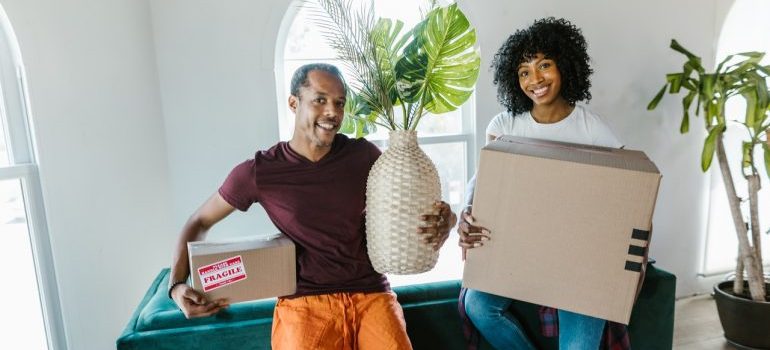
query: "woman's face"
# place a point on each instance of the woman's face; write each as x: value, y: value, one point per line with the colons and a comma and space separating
x: 540, y: 80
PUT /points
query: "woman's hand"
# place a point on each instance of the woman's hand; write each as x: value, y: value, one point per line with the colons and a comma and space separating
x: 470, y: 236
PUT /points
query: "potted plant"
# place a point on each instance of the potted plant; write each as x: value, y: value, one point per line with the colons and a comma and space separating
x: 745, y: 316
x: 398, y: 76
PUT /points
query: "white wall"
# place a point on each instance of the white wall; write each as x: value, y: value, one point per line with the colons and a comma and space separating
x: 215, y: 63
x: 100, y: 136
x: 141, y: 110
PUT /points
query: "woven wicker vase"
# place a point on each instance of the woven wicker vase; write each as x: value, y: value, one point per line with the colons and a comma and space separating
x: 403, y: 184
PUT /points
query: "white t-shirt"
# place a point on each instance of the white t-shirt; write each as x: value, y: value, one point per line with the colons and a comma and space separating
x: 581, y: 126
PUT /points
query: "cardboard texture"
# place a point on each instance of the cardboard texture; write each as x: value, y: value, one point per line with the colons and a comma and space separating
x: 243, y: 269
x: 570, y: 224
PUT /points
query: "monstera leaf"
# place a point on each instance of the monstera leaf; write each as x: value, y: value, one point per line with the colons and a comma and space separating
x: 439, y: 66
x: 359, y: 118
x: 388, y: 42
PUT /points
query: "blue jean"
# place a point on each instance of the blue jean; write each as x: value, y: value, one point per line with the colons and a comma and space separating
x: 489, y: 313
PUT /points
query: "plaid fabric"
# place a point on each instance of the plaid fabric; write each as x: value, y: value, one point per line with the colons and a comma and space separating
x: 615, y: 335
x: 472, y: 334
x: 549, y: 321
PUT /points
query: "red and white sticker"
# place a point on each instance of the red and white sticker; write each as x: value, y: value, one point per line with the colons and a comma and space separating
x: 222, y: 273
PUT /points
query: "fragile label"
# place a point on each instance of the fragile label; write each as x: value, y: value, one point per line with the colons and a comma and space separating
x: 222, y: 273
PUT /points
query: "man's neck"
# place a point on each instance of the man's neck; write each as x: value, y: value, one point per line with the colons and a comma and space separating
x: 551, y: 113
x: 308, y: 150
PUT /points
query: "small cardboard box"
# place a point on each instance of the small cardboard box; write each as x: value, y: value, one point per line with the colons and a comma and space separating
x: 243, y: 269
x: 570, y: 224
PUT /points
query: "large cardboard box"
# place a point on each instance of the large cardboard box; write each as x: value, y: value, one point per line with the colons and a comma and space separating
x: 243, y: 269
x: 570, y: 224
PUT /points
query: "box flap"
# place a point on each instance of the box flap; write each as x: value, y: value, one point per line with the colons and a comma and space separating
x: 245, y: 243
x: 573, y: 152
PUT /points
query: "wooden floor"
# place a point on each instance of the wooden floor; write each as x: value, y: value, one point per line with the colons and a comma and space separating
x: 696, y: 325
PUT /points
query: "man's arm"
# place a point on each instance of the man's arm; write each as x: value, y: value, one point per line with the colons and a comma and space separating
x: 192, y: 303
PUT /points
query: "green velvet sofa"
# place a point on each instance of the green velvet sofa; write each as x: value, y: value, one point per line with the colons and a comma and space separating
x: 430, y: 311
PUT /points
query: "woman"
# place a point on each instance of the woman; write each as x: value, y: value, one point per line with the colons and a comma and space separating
x: 541, y: 72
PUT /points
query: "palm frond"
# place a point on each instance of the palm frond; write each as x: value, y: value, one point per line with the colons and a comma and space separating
x: 349, y: 33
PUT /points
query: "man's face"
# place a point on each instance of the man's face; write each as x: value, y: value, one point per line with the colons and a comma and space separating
x: 318, y: 109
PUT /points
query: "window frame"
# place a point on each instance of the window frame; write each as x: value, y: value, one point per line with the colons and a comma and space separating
x: 467, y: 134
x: 15, y: 111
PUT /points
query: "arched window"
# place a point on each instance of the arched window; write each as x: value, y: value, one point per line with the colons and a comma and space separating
x: 447, y: 138
x: 745, y: 29
x: 29, y: 284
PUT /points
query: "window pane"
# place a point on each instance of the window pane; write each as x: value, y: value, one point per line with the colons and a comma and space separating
x: 21, y: 322
x: 441, y: 124
x: 4, y: 156
x: 450, y: 160
x: 304, y: 41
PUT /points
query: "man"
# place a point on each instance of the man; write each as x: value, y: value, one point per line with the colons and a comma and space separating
x: 313, y: 188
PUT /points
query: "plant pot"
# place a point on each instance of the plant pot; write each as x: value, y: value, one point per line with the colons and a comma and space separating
x: 403, y: 184
x: 746, y: 322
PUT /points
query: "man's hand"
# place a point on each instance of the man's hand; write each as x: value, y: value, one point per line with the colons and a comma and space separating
x: 194, y: 304
x: 437, y: 226
x: 471, y: 236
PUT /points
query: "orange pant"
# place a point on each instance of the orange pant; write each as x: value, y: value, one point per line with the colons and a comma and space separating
x: 350, y: 321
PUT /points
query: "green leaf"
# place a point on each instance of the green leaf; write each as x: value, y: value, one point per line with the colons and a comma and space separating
x: 719, y: 114
x: 709, y: 146
x: 762, y: 94
x: 763, y: 69
x: 439, y: 66
x: 675, y: 82
x: 685, y: 126
x: 699, y: 99
x: 361, y: 129
x: 751, y: 107
x: 747, y: 148
x: 686, y: 103
x: 745, y: 65
x: 385, y: 37
x: 693, y: 62
x: 657, y: 98
x: 759, y: 120
x: 766, y: 149
x: 707, y: 85
x: 355, y: 122
x: 679, y: 48
x: 690, y: 84
x: 756, y: 55
x: 711, y: 110
x: 721, y: 64
x: 348, y: 126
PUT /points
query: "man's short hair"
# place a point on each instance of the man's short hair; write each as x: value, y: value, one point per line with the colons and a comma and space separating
x: 299, y: 79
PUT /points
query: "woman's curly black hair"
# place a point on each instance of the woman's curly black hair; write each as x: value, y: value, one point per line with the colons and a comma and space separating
x: 557, y: 39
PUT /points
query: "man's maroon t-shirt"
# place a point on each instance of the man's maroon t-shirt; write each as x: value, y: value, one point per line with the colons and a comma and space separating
x: 320, y: 206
